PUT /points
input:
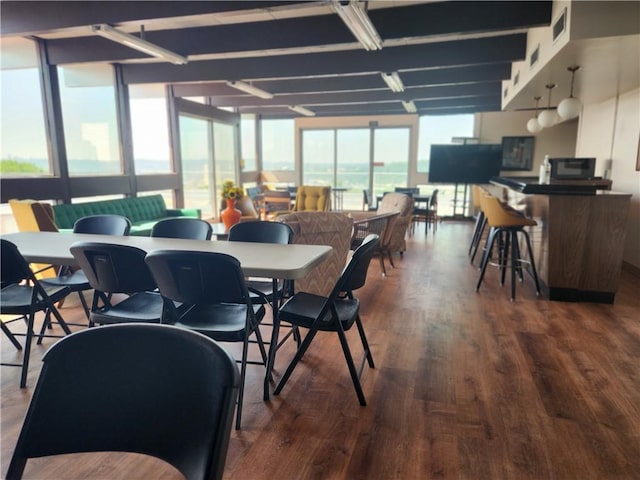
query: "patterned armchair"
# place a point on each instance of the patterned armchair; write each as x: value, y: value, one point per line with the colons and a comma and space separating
x: 394, y: 235
x: 321, y: 228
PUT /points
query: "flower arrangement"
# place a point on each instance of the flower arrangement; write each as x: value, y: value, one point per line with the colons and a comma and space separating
x: 231, y: 191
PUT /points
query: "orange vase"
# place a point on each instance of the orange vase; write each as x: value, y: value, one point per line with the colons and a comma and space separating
x: 230, y: 215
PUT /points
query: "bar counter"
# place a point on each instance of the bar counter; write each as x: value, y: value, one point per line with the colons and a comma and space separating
x: 579, y: 240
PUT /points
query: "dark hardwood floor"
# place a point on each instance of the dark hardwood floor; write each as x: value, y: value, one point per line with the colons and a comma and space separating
x: 466, y: 385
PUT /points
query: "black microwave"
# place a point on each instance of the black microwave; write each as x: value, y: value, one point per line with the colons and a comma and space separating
x: 572, y: 168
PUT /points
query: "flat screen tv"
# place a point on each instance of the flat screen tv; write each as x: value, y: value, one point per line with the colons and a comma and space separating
x: 464, y: 163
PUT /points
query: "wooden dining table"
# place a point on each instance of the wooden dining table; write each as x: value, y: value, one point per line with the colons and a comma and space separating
x: 276, y: 261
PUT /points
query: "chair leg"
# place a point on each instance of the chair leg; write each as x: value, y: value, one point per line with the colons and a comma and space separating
x: 391, y: 259
x: 479, y: 239
x: 27, y: 350
x: 485, y: 257
x: 476, y: 231
x: 84, y: 304
x: 243, y: 374
x: 384, y: 271
x: 514, y: 262
x: 10, y: 335
x: 296, y: 358
x: 533, y: 264
x: 365, y: 343
x: 504, y: 258
x: 352, y: 367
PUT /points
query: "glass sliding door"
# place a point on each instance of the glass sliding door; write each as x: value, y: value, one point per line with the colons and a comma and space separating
x: 197, y: 161
x: 390, y: 158
x: 209, y: 156
x: 353, y: 164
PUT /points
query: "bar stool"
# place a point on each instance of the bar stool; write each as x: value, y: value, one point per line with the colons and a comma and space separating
x: 481, y: 221
x: 507, y: 223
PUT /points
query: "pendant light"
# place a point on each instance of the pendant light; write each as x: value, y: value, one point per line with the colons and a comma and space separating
x: 532, y: 125
x: 549, y: 117
x: 570, y: 107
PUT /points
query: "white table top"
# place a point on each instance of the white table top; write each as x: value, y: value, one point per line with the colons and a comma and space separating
x: 256, y: 259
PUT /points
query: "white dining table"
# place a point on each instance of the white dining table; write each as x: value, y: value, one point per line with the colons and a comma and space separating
x: 276, y: 261
x: 288, y: 262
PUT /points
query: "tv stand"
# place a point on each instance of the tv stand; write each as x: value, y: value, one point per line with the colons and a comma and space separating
x: 460, y: 206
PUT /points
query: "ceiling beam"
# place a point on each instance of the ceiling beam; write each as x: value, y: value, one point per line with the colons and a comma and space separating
x: 419, y: 20
x: 219, y: 39
x: 506, y: 48
x: 32, y: 17
x: 494, y: 72
x: 459, y: 17
x: 312, y: 99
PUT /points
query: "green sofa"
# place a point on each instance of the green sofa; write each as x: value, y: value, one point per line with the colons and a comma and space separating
x: 144, y: 212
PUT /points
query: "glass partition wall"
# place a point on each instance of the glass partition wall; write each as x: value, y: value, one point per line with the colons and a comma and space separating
x: 208, y: 157
x: 357, y: 159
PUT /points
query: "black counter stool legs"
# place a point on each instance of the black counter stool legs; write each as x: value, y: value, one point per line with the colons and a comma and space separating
x: 481, y: 222
x: 505, y: 222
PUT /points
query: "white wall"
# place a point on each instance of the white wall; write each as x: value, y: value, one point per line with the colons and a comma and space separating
x: 611, y: 130
x: 557, y: 141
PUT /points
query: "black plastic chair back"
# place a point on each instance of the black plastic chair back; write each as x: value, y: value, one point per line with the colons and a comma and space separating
x: 113, y: 268
x: 411, y: 191
x: 355, y: 274
x: 153, y: 389
x: 198, y: 278
x: 187, y: 228
x: 103, y: 225
x: 13, y: 267
x: 433, y: 200
x: 263, y: 232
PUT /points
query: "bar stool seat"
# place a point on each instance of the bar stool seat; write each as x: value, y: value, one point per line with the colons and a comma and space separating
x: 509, y: 224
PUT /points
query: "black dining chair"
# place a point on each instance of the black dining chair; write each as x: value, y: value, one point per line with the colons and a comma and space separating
x: 336, y: 313
x: 118, y: 269
x: 263, y: 232
x: 76, y: 279
x: 23, y: 295
x: 212, y: 291
x: 157, y: 390
x: 187, y: 228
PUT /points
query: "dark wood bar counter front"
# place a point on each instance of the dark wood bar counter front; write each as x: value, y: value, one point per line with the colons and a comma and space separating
x: 579, y: 240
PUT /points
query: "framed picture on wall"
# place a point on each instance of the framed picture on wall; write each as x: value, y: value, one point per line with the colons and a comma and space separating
x: 517, y: 153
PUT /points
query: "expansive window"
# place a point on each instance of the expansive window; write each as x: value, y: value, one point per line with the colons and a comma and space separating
x: 197, y: 176
x: 248, y: 161
x: 150, y: 129
x: 440, y: 129
x: 390, y: 158
x: 224, y: 157
x: 318, y: 157
x: 353, y: 164
x: 88, y: 102
x: 278, y: 145
x: 23, y: 140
